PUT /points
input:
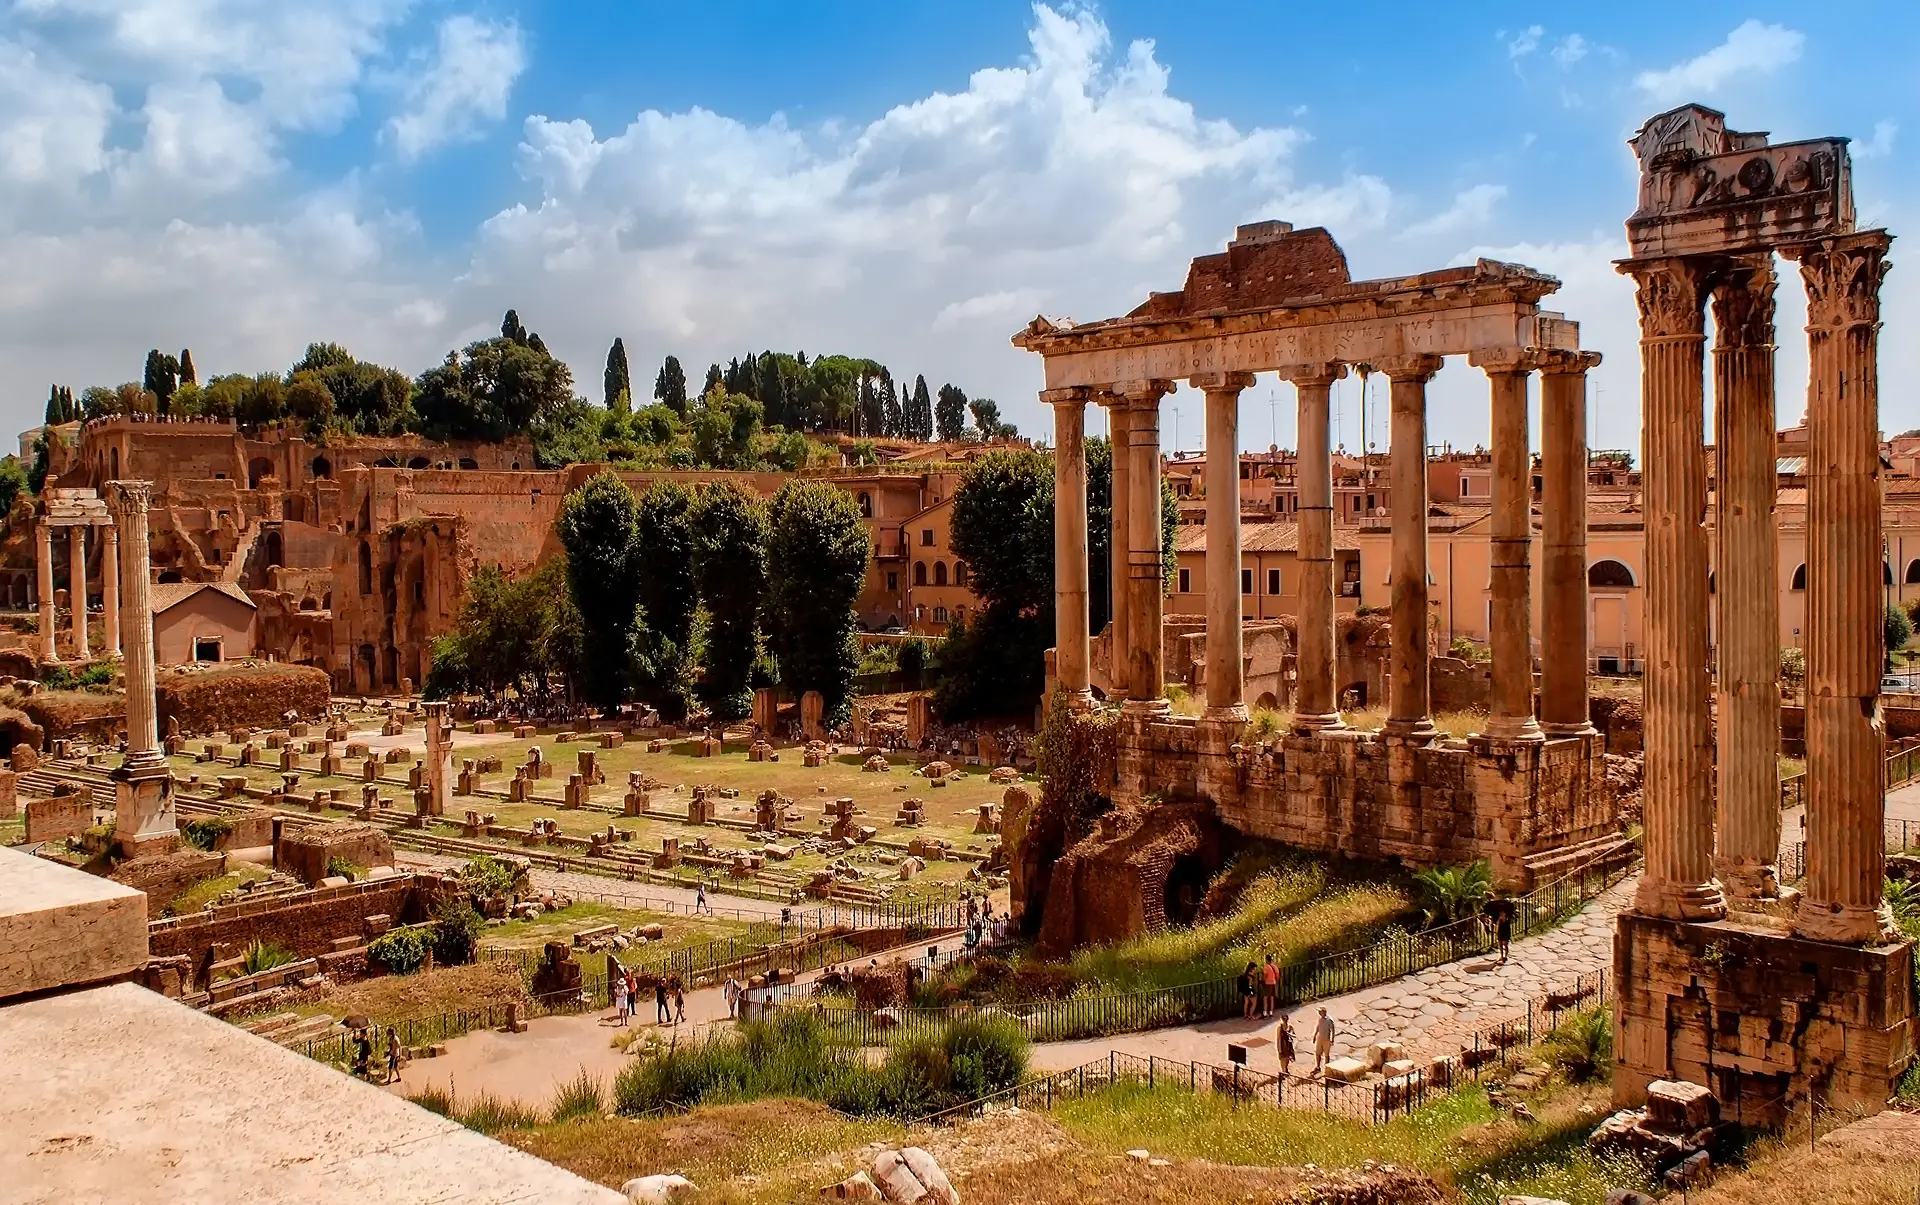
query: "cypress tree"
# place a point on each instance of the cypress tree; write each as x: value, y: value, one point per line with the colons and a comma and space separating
x: 922, y: 410
x: 891, y: 424
x: 670, y: 387
x: 773, y: 391
x: 714, y: 377
x: 188, y: 376
x: 615, y: 382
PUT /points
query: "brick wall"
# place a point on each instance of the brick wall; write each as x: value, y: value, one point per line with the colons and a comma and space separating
x: 305, y: 923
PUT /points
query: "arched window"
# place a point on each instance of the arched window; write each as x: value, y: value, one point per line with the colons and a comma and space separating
x: 1913, y: 573
x: 322, y: 468
x: 1800, y: 578
x: 959, y: 573
x: 939, y: 573
x: 276, y: 554
x: 1610, y: 574
x: 418, y: 462
x: 114, y: 455
x: 939, y: 615
x: 258, y: 468
x: 919, y: 573
x: 866, y: 506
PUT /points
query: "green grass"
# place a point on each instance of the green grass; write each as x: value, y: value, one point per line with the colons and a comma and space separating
x: 681, y: 932
x: 582, y: 1096
x: 206, y: 891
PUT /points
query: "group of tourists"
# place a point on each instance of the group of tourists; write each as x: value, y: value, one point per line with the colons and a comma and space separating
x: 364, y: 1040
x: 669, y: 999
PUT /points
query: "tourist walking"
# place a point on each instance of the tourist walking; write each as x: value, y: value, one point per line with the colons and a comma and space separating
x: 1322, y: 1041
x: 362, y: 1054
x: 1283, y: 1044
x: 732, y: 994
x: 679, y: 1004
x: 1269, y: 987
x: 660, y: 1014
x: 1246, y: 991
x: 393, y: 1055
x: 700, y: 903
x: 1503, y: 910
x: 620, y: 999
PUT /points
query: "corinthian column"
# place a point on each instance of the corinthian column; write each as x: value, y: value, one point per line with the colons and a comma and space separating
x: 43, y: 584
x: 1120, y: 497
x: 1070, y: 543
x: 1511, y: 715
x: 1407, y: 696
x: 1146, y: 677
x: 1746, y: 598
x: 77, y: 588
x: 1563, y: 523
x: 144, y: 814
x: 1846, y: 801
x: 1678, y: 882
x: 1226, y: 671
x: 110, y: 589
x: 1315, y: 707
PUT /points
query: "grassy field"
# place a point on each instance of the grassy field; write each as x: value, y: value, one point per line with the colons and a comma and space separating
x: 681, y: 932
x: 206, y: 891
x: 391, y: 998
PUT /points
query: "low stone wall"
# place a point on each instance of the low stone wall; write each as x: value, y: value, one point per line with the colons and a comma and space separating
x: 240, y: 696
x: 163, y: 876
x: 307, y: 923
x: 305, y: 851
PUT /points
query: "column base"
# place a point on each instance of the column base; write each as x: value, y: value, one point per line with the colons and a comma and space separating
x: 1078, y: 700
x: 1420, y: 729
x: 1844, y: 924
x: 1235, y: 714
x: 1513, y: 728
x: 1560, y: 731
x: 1680, y: 901
x: 1746, y: 881
x: 1307, y: 724
x: 1147, y: 707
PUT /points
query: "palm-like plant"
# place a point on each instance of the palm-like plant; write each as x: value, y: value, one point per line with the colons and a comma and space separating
x: 263, y: 957
x: 1903, y: 900
x: 1582, y: 1045
x: 1448, y: 893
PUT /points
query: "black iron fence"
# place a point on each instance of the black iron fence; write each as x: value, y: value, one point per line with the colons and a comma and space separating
x: 1374, y: 1102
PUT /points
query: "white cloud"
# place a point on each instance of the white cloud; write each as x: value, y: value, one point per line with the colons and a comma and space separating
x: 465, y: 83
x: 1570, y: 50
x: 1880, y: 145
x: 1470, y: 208
x: 1752, y: 48
x: 1006, y: 307
x: 1525, y: 42
x: 53, y: 124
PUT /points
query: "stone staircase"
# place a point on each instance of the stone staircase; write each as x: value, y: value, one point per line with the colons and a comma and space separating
x: 293, y: 1030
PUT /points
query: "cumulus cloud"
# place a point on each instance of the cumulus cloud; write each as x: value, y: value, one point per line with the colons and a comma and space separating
x: 1525, y: 42
x: 1471, y: 207
x: 463, y: 84
x: 1751, y: 49
x: 1570, y: 50
x: 1880, y: 145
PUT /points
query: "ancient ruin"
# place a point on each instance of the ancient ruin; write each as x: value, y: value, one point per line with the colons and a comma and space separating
x: 1522, y: 792
x: 1725, y: 980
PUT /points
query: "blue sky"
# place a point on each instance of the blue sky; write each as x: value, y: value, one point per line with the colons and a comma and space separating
x: 908, y: 182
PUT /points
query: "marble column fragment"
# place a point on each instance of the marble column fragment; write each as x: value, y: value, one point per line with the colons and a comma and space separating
x: 1408, y: 699
x: 1071, y: 642
x: 1146, y: 676
x: 1746, y: 597
x: 77, y: 588
x: 1678, y: 883
x: 1315, y: 704
x: 1226, y: 669
x: 1846, y: 735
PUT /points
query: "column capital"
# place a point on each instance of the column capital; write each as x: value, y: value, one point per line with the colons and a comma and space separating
x: 1221, y: 382
x: 129, y: 498
x: 1323, y: 373
x: 1144, y: 392
x: 1497, y: 361
x: 1843, y: 278
x: 1072, y: 395
x: 1409, y: 368
x: 1672, y: 293
x: 1563, y: 362
x: 1743, y: 303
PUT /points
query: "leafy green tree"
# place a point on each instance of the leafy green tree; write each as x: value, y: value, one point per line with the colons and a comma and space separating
x: 368, y: 398
x: 1449, y: 893
x: 663, y: 553
x: 262, y: 401
x: 1003, y: 529
x: 495, y: 388
x: 724, y: 428
x: 13, y: 480
x: 922, y: 410
x: 572, y: 434
x: 308, y: 400
x: 950, y: 416
x: 37, y: 471
x: 188, y: 374
x: 1899, y: 630
x: 993, y: 663
x: 986, y: 417
x: 730, y: 571
x: 512, y: 635
x: 598, y: 528
x: 616, y: 384
x: 817, y: 552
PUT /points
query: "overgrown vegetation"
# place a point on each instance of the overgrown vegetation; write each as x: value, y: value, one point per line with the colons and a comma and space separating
x: 204, y: 832
x: 1581, y: 1046
x: 95, y: 678
x: 400, y: 951
x: 1448, y: 893
x: 264, y: 956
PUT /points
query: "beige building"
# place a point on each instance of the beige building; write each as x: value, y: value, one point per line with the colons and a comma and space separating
x: 201, y: 621
x: 1270, y: 576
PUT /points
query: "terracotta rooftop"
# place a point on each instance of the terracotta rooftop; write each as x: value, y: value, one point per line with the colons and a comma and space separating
x: 1262, y: 537
x: 172, y: 594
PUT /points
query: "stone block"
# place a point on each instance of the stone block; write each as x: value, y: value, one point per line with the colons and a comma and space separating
x: 58, y: 819
x: 9, y: 795
x: 62, y: 927
x: 1681, y: 1107
x: 1347, y: 1070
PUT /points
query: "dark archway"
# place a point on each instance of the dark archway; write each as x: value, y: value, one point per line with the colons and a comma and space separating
x: 1186, y: 889
x: 1610, y: 574
x: 258, y: 469
x: 419, y: 462
x: 919, y: 573
x: 322, y: 468
x: 275, y: 550
x: 1800, y: 578
x: 939, y: 573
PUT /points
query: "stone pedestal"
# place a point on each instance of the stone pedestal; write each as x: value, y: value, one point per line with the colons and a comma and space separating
x: 1765, y: 1019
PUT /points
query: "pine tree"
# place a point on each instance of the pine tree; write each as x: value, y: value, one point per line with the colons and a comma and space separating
x: 162, y: 376
x: 188, y: 376
x: 511, y: 329
x: 670, y: 387
x: 615, y: 382
x: 922, y: 410
x: 714, y: 377
x: 750, y: 376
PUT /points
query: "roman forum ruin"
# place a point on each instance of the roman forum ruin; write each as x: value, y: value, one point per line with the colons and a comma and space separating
x: 1278, y: 300
x: 1767, y: 1000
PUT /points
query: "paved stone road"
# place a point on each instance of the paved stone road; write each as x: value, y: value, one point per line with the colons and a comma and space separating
x: 1428, y: 1012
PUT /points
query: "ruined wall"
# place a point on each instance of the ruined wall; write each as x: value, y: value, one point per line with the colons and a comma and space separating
x: 1143, y: 867
x: 306, y: 922
x: 239, y: 696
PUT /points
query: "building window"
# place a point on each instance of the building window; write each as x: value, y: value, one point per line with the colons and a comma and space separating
x: 1273, y: 581
x: 959, y: 573
x: 1246, y: 581
x: 1370, y: 502
x: 1186, y: 585
x: 893, y: 582
x: 926, y: 537
x: 939, y: 573
x: 1356, y: 504
x: 939, y: 615
x: 1612, y: 574
x: 866, y: 506
x: 1913, y: 573
x: 919, y: 573
x: 1466, y: 487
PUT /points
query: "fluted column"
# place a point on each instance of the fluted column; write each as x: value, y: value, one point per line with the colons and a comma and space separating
x: 1563, y: 544
x: 1510, y: 715
x: 1226, y: 670
x: 1678, y: 882
x: 1119, y: 421
x: 1315, y: 706
x: 77, y: 588
x: 1146, y: 677
x: 1408, y: 703
x: 144, y: 817
x: 1846, y: 800
x: 1071, y: 655
x: 110, y: 589
x: 1746, y: 599
x: 43, y: 580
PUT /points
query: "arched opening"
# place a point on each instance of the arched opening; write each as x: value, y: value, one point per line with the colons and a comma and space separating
x: 169, y: 577
x: 1186, y: 888
x: 366, y: 568
x: 326, y: 601
x: 419, y: 462
x: 469, y: 463
x: 1913, y: 572
x: 323, y: 468
x: 1886, y: 574
x: 939, y: 573
x: 307, y: 604
x: 866, y: 506
x: 365, y: 669
x: 1267, y: 700
x: 390, y: 666
x: 258, y: 469
x: 1610, y: 574
x: 114, y: 457
x: 959, y: 573
x: 1353, y: 696
x: 1800, y: 578
x: 919, y: 573
x: 275, y: 550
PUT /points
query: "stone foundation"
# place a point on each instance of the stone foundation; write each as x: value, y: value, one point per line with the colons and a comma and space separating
x: 1367, y: 795
x: 1126, y: 877
x: 1763, y: 1018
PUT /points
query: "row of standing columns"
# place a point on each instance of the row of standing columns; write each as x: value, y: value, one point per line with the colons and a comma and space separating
x: 1137, y: 554
x: 1712, y: 805
x: 109, y: 553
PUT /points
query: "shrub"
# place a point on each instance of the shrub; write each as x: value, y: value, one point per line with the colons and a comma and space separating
x: 913, y: 657
x: 400, y: 951
x: 456, y: 930
x: 988, y: 1053
x: 339, y: 867
x: 206, y: 832
x: 490, y: 1115
x: 1448, y: 893
x: 579, y: 1097
x: 262, y: 956
x: 486, y: 877
x: 1582, y: 1044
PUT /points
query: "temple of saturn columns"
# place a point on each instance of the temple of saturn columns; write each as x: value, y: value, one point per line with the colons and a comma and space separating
x: 1723, y: 978
x: 1526, y: 793
x: 77, y: 510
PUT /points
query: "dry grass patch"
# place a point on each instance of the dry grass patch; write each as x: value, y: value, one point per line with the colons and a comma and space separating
x: 391, y: 998
x: 1871, y: 1162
